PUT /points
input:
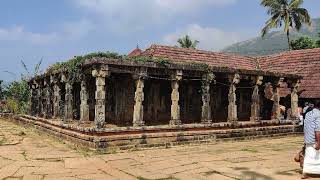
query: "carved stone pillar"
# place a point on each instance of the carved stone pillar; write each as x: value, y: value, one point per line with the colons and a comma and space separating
x: 41, y: 107
x: 294, y: 100
x: 276, y: 115
x: 100, y: 109
x: 175, y: 107
x: 56, y: 97
x: 68, y: 108
x: 68, y: 97
x: 39, y: 98
x: 34, y: 99
x: 47, y: 93
x: 139, y: 98
x: 255, y: 104
x: 84, y: 107
x: 232, y: 107
x: 206, y: 109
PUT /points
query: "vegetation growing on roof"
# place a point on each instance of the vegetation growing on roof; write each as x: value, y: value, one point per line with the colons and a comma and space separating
x: 73, y: 66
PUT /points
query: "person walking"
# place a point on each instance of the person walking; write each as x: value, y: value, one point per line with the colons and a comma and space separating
x: 311, y: 164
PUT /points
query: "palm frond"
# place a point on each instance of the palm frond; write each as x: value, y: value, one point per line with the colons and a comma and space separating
x: 273, y: 22
x: 295, y: 4
x: 11, y: 73
x: 303, y: 15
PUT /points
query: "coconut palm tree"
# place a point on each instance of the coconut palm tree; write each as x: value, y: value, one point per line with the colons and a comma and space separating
x: 286, y: 13
x: 186, y: 42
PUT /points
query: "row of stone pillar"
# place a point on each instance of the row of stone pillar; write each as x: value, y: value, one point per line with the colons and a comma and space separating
x: 100, y: 97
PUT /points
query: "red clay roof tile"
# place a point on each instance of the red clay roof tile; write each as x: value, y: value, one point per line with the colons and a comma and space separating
x: 302, y: 62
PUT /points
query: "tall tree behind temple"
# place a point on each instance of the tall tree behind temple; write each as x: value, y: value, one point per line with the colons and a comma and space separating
x: 305, y: 42
x: 186, y: 42
x: 286, y: 13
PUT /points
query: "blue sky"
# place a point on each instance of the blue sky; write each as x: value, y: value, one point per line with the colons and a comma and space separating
x: 60, y: 29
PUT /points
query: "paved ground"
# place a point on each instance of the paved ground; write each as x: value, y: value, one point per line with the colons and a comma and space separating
x: 25, y: 154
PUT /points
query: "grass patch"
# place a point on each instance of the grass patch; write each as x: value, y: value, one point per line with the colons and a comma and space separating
x: 3, y: 141
x: 249, y: 150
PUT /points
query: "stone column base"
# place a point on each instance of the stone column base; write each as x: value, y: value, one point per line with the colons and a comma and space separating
x: 175, y: 122
x: 206, y: 121
x: 255, y: 119
x: 138, y: 124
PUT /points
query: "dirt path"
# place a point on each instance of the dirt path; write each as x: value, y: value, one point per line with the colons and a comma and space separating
x: 26, y: 154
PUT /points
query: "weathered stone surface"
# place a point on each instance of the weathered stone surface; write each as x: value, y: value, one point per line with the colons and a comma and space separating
x: 254, y: 159
x: 56, y: 100
x: 294, y: 100
x: 84, y: 96
x: 206, y: 109
x: 255, y: 104
x: 100, y: 109
x: 138, y: 107
x: 175, y: 107
x: 68, y: 109
x: 232, y: 107
x: 276, y: 99
x: 47, y: 97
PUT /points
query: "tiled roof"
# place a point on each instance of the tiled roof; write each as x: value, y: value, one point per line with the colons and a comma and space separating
x: 135, y: 52
x: 302, y: 62
x: 211, y: 58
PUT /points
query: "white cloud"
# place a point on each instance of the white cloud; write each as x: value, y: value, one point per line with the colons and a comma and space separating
x: 131, y: 15
x: 185, y: 5
x: 18, y: 33
x: 68, y: 31
x: 210, y: 38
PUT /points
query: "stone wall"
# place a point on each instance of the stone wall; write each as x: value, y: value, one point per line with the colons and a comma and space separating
x: 190, y: 102
x: 125, y: 138
x: 119, y: 100
x: 157, y: 102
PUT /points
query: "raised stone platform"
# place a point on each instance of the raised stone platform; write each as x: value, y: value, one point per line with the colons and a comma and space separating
x: 87, y: 135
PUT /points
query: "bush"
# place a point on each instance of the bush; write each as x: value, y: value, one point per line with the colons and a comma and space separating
x: 17, y: 94
x: 12, y: 106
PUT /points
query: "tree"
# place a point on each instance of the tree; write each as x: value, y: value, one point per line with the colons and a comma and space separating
x: 304, y: 42
x: 17, y: 92
x: 186, y: 42
x: 318, y: 41
x: 286, y: 13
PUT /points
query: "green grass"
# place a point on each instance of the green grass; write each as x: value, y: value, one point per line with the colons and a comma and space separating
x: 249, y: 150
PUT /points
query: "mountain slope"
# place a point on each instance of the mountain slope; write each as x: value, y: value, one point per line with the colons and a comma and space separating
x: 273, y: 42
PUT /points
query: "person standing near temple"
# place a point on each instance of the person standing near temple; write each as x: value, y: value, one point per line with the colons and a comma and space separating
x: 311, y: 163
x: 306, y: 106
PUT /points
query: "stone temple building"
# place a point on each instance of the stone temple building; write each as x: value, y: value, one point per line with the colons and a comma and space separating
x: 195, y: 91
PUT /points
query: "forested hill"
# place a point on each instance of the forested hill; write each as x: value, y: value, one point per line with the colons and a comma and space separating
x: 273, y: 42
